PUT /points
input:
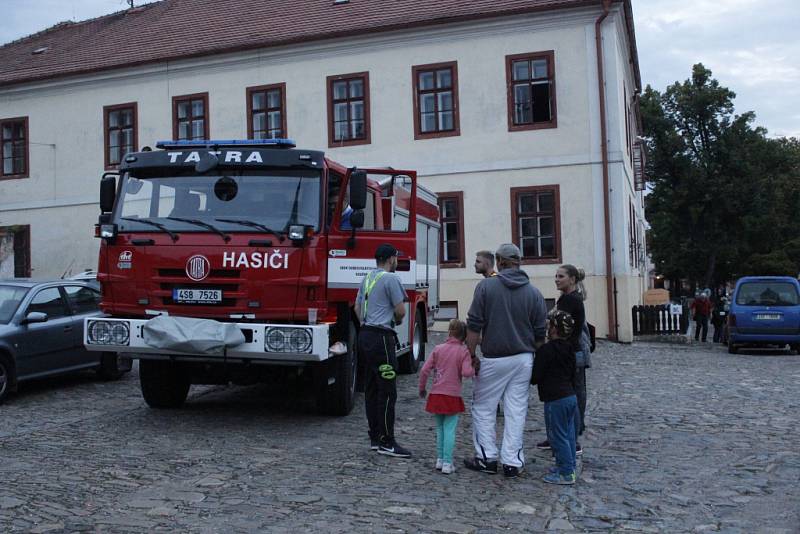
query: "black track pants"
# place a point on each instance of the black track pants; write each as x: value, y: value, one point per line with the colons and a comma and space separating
x: 376, y: 347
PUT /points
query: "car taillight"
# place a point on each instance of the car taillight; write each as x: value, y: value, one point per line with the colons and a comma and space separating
x: 732, y: 319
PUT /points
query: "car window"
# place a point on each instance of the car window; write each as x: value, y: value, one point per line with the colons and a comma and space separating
x: 48, y: 301
x: 767, y: 294
x: 82, y: 299
x: 10, y: 297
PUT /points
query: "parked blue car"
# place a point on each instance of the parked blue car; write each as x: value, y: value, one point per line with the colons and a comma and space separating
x: 765, y: 310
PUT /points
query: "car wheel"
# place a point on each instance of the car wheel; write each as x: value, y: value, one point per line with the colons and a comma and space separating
x: 409, y: 363
x: 732, y: 349
x: 796, y: 348
x: 335, y: 379
x: 6, y: 377
x: 113, y: 366
x: 164, y: 383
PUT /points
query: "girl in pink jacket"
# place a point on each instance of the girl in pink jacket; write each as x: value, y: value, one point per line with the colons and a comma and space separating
x: 450, y: 362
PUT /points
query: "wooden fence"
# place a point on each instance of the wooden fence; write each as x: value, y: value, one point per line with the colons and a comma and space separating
x: 658, y: 321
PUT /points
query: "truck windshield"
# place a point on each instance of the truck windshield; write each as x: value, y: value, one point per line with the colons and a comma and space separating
x: 228, y: 202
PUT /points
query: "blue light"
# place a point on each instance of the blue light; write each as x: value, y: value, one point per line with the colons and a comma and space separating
x: 215, y: 143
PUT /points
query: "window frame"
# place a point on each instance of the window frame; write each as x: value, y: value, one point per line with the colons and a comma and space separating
x: 549, y: 55
x: 26, y: 157
x: 206, y: 112
x: 265, y: 88
x: 553, y: 188
x: 116, y: 107
x: 459, y: 197
x: 62, y: 296
x: 415, y: 70
x: 329, y: 81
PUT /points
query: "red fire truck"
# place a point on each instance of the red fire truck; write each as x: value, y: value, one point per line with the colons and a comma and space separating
x: 230, y: 261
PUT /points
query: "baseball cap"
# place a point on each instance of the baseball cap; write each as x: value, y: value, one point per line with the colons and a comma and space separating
x: 385, y: 251
x: 509, y: 251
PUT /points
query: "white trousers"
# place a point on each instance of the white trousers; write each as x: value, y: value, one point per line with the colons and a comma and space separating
x: 506, y: 378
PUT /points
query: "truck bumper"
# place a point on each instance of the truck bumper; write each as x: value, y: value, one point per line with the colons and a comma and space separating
x: 265, y: 343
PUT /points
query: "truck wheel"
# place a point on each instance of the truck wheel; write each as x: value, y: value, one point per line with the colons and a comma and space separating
x: 6, y: 377
x: 113, y: 366
x: 164, y: 385
x: 335, y: 379
x: 409, y: 363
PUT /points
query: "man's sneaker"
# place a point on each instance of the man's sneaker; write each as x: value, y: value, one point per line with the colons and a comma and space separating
x: 479, y: 464
x: 374, y: 444
x: 578, y: 450
x: 448, y: 468
x: 439, y: 464
x: 562, y: 480
x: 394, y: 450
x: 544, y: 445
x: 512, y: 471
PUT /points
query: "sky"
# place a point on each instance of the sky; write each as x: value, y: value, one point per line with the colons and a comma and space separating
x: 751, y: 46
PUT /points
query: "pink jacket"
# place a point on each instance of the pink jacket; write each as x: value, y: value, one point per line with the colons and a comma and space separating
x: 450, y: 361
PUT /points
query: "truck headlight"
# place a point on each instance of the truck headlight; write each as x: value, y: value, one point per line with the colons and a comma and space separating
x: 288, y: 339
x: 108, y: 333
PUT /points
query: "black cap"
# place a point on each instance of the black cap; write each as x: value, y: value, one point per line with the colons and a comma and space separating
x: 385, y: 251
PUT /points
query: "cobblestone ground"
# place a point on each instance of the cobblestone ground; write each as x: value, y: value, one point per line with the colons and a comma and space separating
x: 680, y: 439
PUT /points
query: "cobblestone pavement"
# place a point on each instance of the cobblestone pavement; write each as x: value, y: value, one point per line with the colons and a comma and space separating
x: 680, y: 439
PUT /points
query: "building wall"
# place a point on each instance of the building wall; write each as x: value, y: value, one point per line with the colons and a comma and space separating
x: 484, y: 161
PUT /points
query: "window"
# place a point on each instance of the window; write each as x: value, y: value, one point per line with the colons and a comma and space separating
x: 15, y: 251
x: 451, y: 210
x: 448, y: 309
x: 348, y: 110
x: 190, y: 117
x: 82, y: 299
x: 266, y: 112
x: 536, y: 226
x: 49, y: 301
x: 531, y: 91
x: 14, y: 148
x: 435, y: 100
x: 119, y: 125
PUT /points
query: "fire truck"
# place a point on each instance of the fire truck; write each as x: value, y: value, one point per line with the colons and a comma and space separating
x: 234, y: 261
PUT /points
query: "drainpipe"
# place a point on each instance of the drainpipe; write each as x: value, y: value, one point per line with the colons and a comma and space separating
x: 613, y: 326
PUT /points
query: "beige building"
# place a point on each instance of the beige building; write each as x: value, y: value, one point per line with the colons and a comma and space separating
x: 507, y: 108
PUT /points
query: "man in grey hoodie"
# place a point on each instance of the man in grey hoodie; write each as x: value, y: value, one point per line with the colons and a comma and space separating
x: 507, y: 318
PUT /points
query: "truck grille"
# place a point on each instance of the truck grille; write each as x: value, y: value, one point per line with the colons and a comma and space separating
x: 228, y: 280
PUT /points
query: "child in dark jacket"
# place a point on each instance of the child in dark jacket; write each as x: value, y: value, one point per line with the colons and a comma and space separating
x: 449, y: 362
x: 553, y: 374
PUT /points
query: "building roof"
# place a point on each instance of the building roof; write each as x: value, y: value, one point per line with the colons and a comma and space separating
x: 180, y: 29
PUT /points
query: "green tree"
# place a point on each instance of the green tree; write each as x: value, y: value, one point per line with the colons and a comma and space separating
x: 723, y: 195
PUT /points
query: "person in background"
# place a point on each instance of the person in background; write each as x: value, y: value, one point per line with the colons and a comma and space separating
x: 484, y: 263
x: 449, y: 362
x: 701, y: 308
x: 507, y: 319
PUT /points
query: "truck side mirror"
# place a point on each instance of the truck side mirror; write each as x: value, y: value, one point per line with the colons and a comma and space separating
x: 358, y: 190
x: 108, y: 192
x: 357, y: 219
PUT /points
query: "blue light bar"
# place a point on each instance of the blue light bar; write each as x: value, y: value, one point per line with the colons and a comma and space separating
x: 214, y: 143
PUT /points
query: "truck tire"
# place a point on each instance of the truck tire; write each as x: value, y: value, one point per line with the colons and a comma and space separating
x: 113, y: 366
x: 335, y: 379
x: 409, y: 362
x: 6, y: 377
x: 164, y: 385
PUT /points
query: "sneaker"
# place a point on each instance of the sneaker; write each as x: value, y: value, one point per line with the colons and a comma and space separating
x: 578, y: 450
x: 374, y: 444
x: 394, y: 450
x: 512, y: 471
x: 439, y: 464
x: 448, y: 468
x: 544, y: 445
x: 479, y: 464
x: 552, y: 470
x: 562, y: 480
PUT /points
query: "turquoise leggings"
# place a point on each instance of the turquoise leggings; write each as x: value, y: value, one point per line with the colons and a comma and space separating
x: 446, y: 436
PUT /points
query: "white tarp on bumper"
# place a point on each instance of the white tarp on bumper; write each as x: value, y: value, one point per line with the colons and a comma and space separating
x: 195, y: 336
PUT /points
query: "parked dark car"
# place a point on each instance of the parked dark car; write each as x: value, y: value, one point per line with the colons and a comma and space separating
x: 41, y: 332
x: 765, y: 310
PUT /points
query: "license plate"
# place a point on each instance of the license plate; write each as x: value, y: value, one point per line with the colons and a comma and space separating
x: 768, y: 316
x: 197, y: 296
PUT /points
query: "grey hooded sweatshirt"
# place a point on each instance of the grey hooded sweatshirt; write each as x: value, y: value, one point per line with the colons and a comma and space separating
x: 509, y: 313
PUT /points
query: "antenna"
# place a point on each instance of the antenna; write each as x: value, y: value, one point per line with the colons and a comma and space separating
x: 130, y: 3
